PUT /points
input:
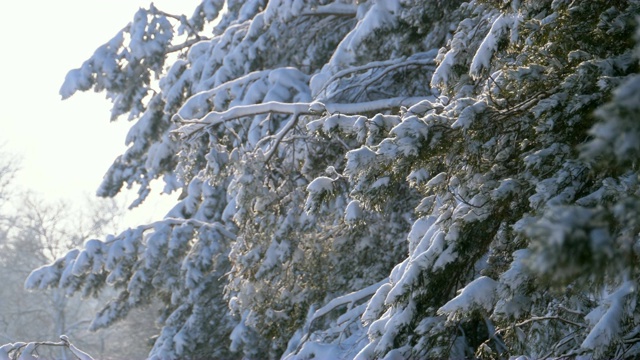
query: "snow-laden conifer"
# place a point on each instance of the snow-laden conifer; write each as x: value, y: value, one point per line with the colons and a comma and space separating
x: 379, y: 179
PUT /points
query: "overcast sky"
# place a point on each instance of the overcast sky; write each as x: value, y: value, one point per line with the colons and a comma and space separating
x: 66, y: 146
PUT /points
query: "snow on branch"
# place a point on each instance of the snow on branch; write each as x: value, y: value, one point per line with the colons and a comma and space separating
x: 198, y: 100
x: 478, y: 294
x: 607, y: 317
x: 215, y: 118
x: 350, y: 298
x: 107, y: 254
x: 346, y: 300
x: 489, y: 45
x: 22, y: 350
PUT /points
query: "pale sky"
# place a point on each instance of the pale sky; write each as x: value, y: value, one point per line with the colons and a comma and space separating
x: 66, y: 146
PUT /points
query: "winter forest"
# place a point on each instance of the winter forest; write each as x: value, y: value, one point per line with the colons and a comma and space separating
x: 370, y: 179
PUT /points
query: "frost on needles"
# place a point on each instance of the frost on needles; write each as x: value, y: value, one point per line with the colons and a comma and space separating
x: 386, y: 179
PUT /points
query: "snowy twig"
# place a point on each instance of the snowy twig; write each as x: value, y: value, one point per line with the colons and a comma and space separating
x: 539, y: 318
x: 525, y: 105
x: 555, y: 317
x: 387, y: 70
x: 375, y: 64
x: 501, y: 90
x: 185, y: 45
x: 465, y: 201
x: 571, y: 311
x: 290, y: 125
x: 347, y: 299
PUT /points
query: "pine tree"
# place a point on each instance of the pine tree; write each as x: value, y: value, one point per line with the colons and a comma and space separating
x: 374, y: 180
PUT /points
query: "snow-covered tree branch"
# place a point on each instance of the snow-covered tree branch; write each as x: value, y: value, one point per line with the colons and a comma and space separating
x: 316, y: 108
x: 31, y: 350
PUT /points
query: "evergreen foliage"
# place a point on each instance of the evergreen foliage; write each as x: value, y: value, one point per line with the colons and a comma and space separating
x: 386, y: 179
